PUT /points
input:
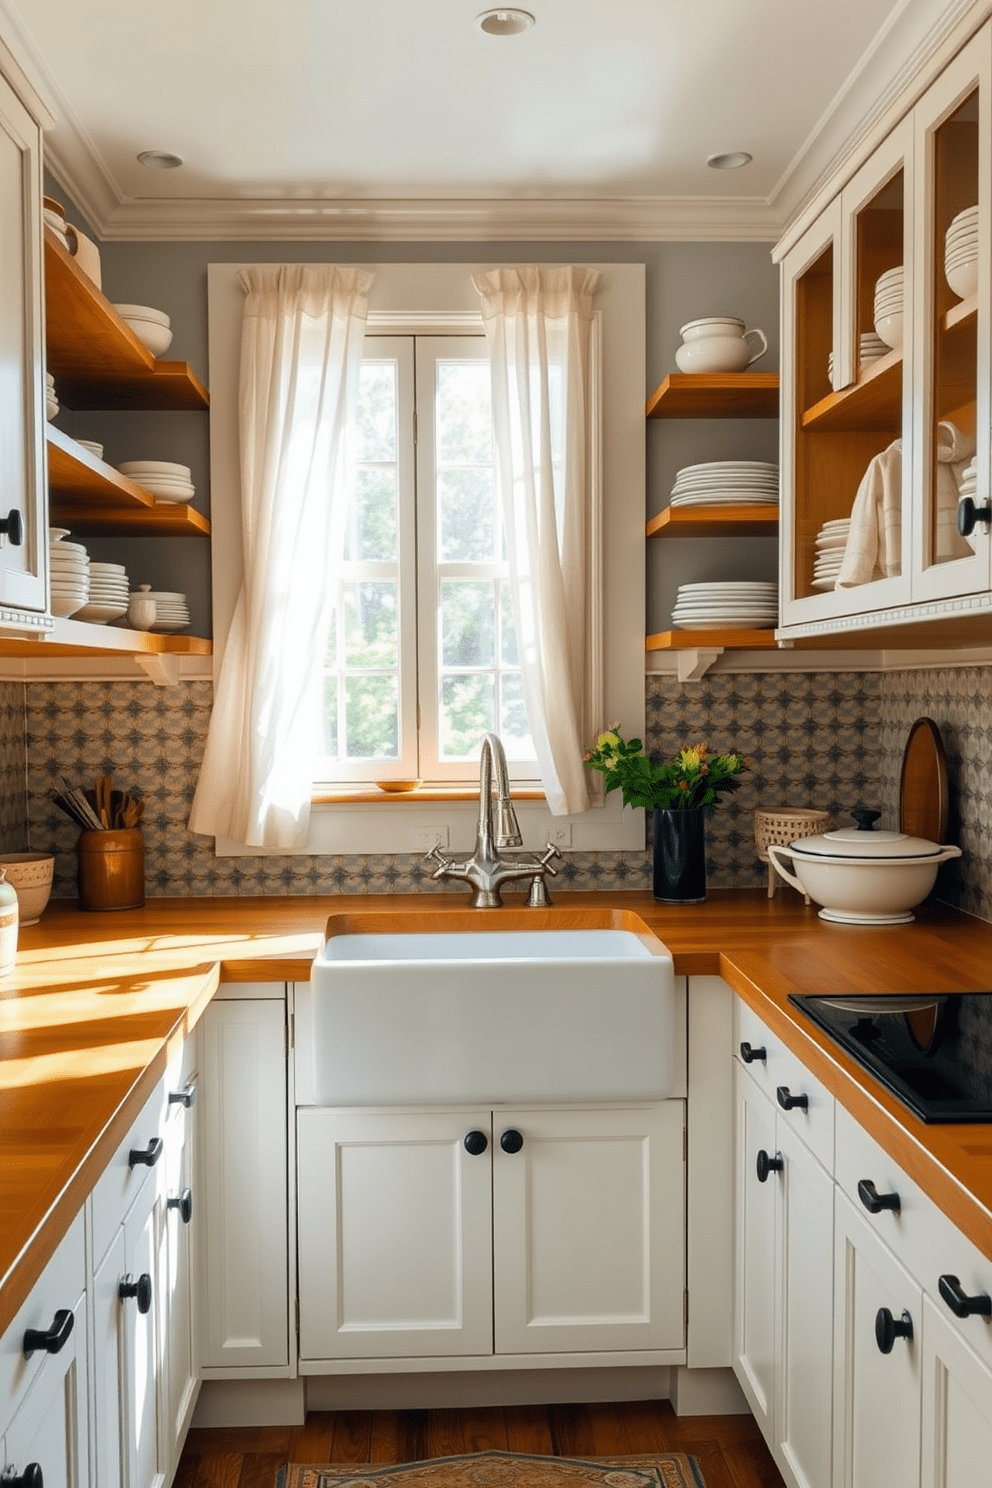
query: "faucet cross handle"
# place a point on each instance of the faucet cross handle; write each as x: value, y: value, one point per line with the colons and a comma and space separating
x: 550, y: 853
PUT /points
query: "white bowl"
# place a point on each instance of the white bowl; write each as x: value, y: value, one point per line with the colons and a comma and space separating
x: 30, y: 876
x: 154, y: 467
x: 963, y: 278
x: 889, y: 327
x: 143, y: 312
x: 154, y: 337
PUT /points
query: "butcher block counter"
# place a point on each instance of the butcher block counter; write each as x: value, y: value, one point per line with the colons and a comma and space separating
x: 98, y: 1003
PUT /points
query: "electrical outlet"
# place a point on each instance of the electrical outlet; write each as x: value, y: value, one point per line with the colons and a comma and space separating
x: 560, y: 832
x: 424, y: 838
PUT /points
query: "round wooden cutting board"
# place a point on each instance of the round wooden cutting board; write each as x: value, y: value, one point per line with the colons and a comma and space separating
x: 923, y: 788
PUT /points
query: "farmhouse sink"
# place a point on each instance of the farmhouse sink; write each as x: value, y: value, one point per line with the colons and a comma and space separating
x: 437, y: 1009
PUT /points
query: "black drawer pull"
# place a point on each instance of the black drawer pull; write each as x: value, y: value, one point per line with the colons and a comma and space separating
x: 148, y: 1156
x: 31, y: 1477
x: 766, y: 1164
x: 141, y: 1289
x: 888, y: 1329
x: 511, y: 1141
x: 788, y: 1101
x: 184, y: 1203
x: 53, y: 1339
x: 185, y: 1097
x: 960, y: 1303
x: 875, y: 1202
x: 749, y: 1053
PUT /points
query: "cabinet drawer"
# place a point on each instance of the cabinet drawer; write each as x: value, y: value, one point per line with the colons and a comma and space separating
x: 922, y: 1237
x: 785, y: 1079
x: 60, y: 1286
x: 120, y: 1183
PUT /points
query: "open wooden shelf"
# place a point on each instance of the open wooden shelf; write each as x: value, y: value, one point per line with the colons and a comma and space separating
x: 96, y: 359
x: 727, y: 640
x: 714, y: 521
x: 705, y: 395
x: 873, y: 402
x: 88, y: 496
x: 69, y: 637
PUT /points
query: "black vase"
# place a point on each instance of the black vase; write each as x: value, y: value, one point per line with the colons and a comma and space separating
x: 679, y: 855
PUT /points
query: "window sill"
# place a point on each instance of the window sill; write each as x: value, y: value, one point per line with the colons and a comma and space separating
x: 365, y: 796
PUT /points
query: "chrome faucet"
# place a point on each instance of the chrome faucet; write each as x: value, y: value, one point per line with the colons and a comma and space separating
x: 485, y: 870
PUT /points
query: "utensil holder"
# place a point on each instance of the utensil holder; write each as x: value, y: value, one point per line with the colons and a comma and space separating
x: 111, y: 869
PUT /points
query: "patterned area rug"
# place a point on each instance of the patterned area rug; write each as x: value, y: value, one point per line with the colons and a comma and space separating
x: 501, y: 1470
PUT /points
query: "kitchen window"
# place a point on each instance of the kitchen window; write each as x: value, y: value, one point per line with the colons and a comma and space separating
x: 422, y: 657
x: 439, y: 302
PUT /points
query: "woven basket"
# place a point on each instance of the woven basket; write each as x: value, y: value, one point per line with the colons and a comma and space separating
x: 782, y: 827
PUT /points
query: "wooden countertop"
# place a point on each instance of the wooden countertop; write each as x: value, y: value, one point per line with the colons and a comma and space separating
x: 98, y: 1002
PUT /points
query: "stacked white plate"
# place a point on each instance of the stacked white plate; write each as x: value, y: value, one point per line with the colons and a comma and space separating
x: 726, y: 605
x: 171, y: 610
x: 69, y: 566
x: 51, y: 399
x: 152, y: 327
x: 108, y: 598
x: 163, y: 479
x: 870, y: 348
x: 727, y: 483
x: 91, y: 447
x: 961, y: 253
x: 888, y: 307
x: 56, y: 221
x: 831, y: 541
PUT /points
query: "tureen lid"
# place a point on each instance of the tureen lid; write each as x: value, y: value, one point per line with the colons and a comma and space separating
x: 864, y: 841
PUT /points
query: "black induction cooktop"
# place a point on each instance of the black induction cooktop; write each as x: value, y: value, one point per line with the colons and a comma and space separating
x: 933, y: 1052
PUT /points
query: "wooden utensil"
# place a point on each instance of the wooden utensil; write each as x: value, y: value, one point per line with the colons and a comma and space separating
x: 923, y: 786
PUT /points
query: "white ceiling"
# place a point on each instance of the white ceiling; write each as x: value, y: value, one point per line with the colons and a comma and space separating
x: 385, y: 111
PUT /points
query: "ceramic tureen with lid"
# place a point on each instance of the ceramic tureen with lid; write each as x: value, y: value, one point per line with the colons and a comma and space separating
x: 863, y: 876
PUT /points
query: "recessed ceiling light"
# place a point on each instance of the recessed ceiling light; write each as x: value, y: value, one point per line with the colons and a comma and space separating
x: 504, y: 22
x: 732, y: 160
x: 160, y: 159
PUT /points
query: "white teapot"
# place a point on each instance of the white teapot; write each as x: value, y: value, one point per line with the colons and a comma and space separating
x: 717, y: 343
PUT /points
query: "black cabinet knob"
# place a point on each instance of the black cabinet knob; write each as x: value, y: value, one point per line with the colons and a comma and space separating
x: 790, y: 1102
x: 148, y: 1156
x: 51, y: 1340
x: 184, y: 1203
x: 31, y: 1477
x: 141, y: 1289
x: 185, y: 1097
x: 476, y: 1143
x: 511, y: 1141
x: 749, y: 1053
x: 875, y: 1202
x: 960, y: 1303
x: 766, y: 1164
x: 12, y: 525
x: 969, y: 514
x: 888, y: 1329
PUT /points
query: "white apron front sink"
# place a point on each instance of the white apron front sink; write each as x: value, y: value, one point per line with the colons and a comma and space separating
x: 488, y: 1016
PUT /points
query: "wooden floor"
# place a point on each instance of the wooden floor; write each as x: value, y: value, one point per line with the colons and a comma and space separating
x: 730, y: 1449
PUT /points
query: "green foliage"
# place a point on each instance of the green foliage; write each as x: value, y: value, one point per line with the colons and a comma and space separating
x: 693, y: 778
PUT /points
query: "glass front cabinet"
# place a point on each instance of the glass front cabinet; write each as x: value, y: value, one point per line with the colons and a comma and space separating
x: 886, y: 416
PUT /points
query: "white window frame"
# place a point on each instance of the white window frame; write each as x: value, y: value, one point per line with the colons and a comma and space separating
x: 439, y: 299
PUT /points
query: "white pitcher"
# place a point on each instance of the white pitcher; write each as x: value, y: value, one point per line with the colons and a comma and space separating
x: 717, y: 343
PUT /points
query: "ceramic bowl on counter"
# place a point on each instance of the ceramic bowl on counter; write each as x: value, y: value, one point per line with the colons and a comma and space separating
x: 30, y: 876
x: 862, y: 876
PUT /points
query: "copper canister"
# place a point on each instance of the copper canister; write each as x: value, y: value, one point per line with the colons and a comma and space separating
x: 111, y: 869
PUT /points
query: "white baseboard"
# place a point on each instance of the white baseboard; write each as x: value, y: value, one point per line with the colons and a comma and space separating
x: 278, y: 1402
x: 707, y: 1392
x: 505, y: 1387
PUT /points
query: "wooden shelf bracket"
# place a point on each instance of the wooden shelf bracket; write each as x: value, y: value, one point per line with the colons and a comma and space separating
x: 162, y: 667
x: 692, y: 665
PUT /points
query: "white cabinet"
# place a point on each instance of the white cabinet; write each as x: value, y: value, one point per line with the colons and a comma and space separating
x: 783, y: 1307
x: 957, y: 1406
x: 23, y: 534
x: 877, y: 1380
x: 467, y: 1232
x: 43, y: 1376
x: 244, y: 1237
x: 175, y: 1260
x: 931, y: 392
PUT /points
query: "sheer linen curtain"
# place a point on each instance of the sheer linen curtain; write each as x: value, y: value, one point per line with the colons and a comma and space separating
x: 539, y: 329
x: 301, y: 348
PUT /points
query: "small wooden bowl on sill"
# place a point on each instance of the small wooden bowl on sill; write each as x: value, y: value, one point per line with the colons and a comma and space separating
x: 398, y: 787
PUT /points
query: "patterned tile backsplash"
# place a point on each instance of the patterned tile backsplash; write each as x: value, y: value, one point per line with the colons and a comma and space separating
x: 829, y: 740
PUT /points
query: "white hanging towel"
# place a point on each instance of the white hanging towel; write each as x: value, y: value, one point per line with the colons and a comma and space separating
x: 874, y: 541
